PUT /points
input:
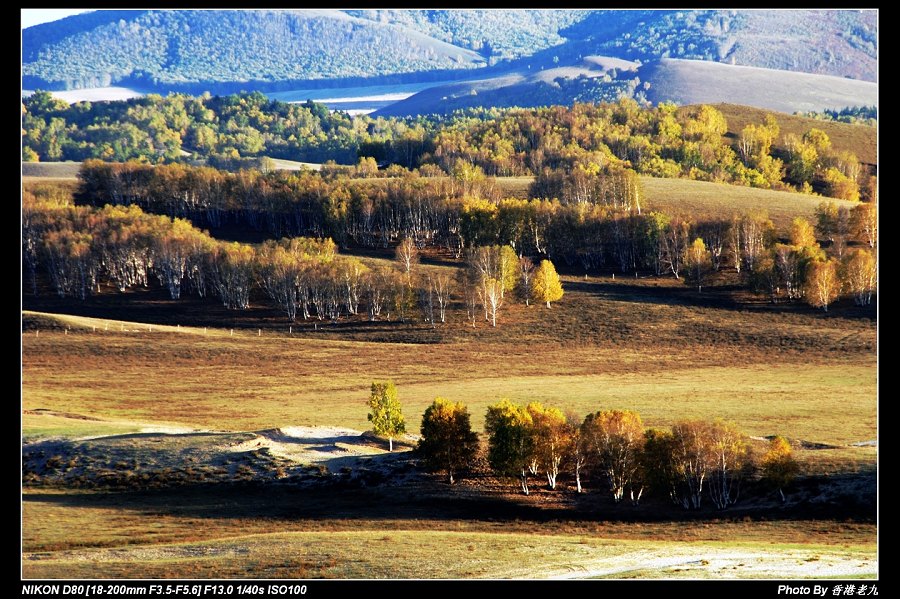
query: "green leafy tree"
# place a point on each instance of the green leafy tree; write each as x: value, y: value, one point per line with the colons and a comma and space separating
x: 448, y: 442
x: 386, y: 418
x: 510, y: 442
x: 546, y: 286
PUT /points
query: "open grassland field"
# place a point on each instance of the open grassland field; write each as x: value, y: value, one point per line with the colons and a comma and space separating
x: 278, y: 534
x: 598, y: 348
x: 50, y: 170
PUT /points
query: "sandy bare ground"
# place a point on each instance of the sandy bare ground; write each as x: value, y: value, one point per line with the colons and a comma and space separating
x: 162, y: 444
x: 706, y: 561
x: 95, y: 94
x: 327, y: 445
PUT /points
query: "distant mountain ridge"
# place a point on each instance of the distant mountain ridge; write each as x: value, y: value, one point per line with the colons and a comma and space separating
x: 189, y: 50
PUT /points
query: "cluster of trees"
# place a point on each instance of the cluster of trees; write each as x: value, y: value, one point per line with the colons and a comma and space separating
x: 80, y: 247
x: 802, y: 269
x: 691, y: 460
x: 495, y: 272
x: 367, y: 213
x: 598, y: 222
x: 660, y: 141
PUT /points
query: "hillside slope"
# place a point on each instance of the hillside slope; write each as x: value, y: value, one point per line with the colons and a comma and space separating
x: 507, y: 33
x: 700, y: 82
x: 827, y: 42
x: 859, y: 139
x: 596, y: 78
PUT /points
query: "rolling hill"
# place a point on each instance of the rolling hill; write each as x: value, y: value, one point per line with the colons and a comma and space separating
x: 861, y: 140
x: 698, y: 82
x: 271, y: 50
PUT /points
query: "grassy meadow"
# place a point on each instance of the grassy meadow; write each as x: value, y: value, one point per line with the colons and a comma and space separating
x: 679, y: 361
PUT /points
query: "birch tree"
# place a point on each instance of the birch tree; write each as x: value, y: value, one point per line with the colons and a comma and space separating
x: 407, y: 255
x: 698, y: 261
x: 729, y: 457
x: 616, y: 438
x: 526, y: 277
x: 385, y: 415
x: 547, y: 286
x: 550, y: 439
x: 859, y: 273
x: 778, y: 465
x: 822, y: 284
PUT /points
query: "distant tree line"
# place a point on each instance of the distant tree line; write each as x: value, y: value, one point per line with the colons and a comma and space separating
x: 660, y: 141
x: 855, y: 115
x: 218, y: 129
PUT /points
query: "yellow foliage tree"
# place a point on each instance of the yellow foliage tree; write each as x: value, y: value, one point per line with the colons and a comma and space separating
x: 778, y: 465
x: 698, y: 261
x: 546, y: 286
x: 616, y: 439
x: 822, y: 284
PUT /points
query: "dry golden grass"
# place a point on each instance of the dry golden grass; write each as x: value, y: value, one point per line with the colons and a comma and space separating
x: 688, y: 198
x: 62, y: 171
x: 66, y: 535
x: 669, y: 356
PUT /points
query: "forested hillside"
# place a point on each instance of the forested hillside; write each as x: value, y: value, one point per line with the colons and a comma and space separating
x: 197, y: 50
x: 169, y: 48
x: 496, y: 34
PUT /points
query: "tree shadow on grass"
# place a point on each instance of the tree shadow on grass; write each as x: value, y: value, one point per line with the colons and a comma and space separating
x: 407, y: 494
